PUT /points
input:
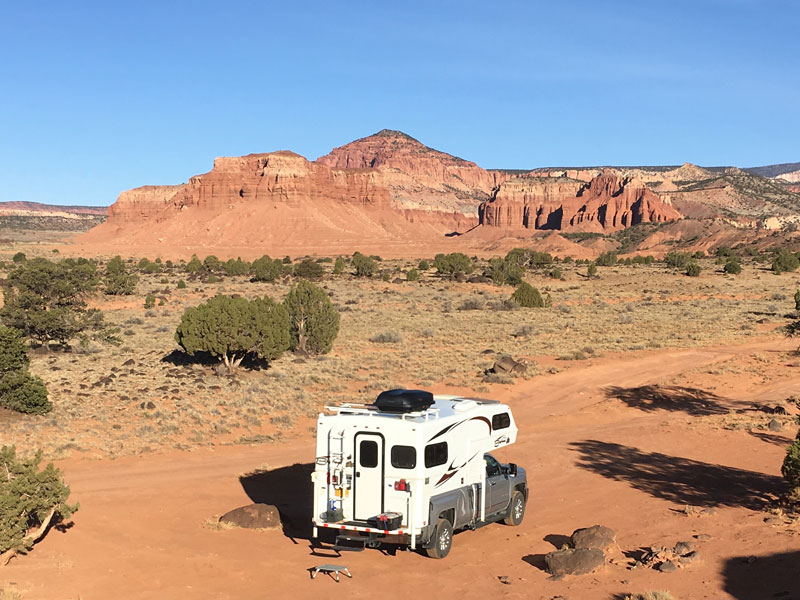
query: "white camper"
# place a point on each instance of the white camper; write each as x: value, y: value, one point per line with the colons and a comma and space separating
x: 412, y: 468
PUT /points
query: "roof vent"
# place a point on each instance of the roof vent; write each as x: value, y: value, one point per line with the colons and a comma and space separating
x: 403, y: 401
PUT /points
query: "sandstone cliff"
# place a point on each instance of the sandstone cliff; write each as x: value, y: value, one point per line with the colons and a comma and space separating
x: 608, y: 202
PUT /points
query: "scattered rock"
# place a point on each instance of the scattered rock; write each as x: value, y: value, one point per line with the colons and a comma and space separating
x: 667, y: 566
x: 253, y: 516
x: 149, y: 405
x: 574, y: 561
x: 702, y: 537
x: 597, y: 536
x: 683, y: 548
x: 503, y: 579
x: 689, y: 557
x: 479, y: 279
x: 775, y: 425
x: 505, y: 365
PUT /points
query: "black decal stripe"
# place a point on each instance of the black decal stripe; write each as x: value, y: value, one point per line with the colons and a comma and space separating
x: 454, y: 425
x: 445, y: 430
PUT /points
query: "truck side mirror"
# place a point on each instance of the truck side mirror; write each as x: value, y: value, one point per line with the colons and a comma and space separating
x: 512, y: 468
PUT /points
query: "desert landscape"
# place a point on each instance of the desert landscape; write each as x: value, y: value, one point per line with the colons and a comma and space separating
x: 220, y: 224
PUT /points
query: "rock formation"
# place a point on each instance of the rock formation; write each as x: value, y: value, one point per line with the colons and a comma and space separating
x: 608, y: 202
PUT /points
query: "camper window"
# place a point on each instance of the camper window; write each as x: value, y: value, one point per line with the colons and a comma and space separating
x: 404, y: 457
x: 435, y: 454
x: 501, y: 421
x: 368, y: 454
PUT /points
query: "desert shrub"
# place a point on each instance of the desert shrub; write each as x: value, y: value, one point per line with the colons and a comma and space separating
x: 31, y: 500
x: 423, y: 265
x: 651, y: 595
x: 785, y: 262
x: 266, y: 269
x: 286, y: 260
x: 791, y: 464
x: 797, y: 300
x: 540, y: 259
x: 313, y: 320
x: 147, y: 266
x: 13, y: 357
x: 309, y: 269
x: 118, y: 282
x: 527, y: 296
x: 364, y: 266
x: 453, y: 264
x: 212, y: 279
x: 643, y: 260
x: 678, y: 260
x: 732, y: 266
x: 236, y: 267
x: 471, y: 304
x: 19, y: 257
x: 386, y: 337
x: 181, y: 285
x: 502, y: 271
x: 45, y: 300
x: 606, y: 259
x: 591, y: 270
x: 212, y: 264
x: 556, y: 273
x: 230, y: 329
x: 338, y: 266
x: 24, y: 393
x: 149, y: 300
x: 194, y: 265
x: 412, y: 275
x: 693, y: 269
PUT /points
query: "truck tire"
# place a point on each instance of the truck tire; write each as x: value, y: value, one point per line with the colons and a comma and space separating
x: 442, y: 539
x: 516, y: 509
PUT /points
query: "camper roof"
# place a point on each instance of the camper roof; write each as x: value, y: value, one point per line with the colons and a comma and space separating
x: 444, y: 405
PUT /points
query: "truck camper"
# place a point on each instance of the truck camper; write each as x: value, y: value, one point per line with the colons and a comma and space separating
x: 412, y: 468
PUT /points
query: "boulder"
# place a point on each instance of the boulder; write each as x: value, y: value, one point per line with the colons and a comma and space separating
x: 253, y: 516
x: 506, y: 364
x: 596, y: 536
x: 574, y: 561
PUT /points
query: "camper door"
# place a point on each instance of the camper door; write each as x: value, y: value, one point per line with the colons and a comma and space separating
x: 368, y: 483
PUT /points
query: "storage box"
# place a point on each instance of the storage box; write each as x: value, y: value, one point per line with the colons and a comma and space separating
x: 334, y: 515
x: 390, y: 520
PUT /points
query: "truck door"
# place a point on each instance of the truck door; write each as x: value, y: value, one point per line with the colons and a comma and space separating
x: 368, y: 482
x: 497, y: 486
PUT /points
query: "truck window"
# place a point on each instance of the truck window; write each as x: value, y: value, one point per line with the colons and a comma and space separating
x: 492, y: 466
x: 404, y: 457
x: 435, y: 454
x: 501, y: 421
x: 368, y: 454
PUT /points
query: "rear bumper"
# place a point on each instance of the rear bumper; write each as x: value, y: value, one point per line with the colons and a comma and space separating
x: 363, y: 528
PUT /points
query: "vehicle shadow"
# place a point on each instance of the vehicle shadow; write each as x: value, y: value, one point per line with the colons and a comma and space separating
x: 677, y: 479
x: 692, y: 401
x: 289, y: 490
x: 756, y: 577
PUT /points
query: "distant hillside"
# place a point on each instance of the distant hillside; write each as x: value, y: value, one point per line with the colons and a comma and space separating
x: 36, y: 207
x: 774, y: 170
x: 33, y: 216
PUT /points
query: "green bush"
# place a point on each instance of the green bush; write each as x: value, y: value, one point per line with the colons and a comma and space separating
x: 503, y: 271
x: 556, y: 273
x: 338, y: 266
x: 591, y: 270
x: 364, y: 266
x: 732, y: 266
x: 19, y: 390
x: 606, y: 259
x: 785, y: 262
x: 266, y: 269
x: 791, y: 464
x: 31, y: 499
x: 678, y: 260
x: 528, y: 296
x: 194, y: 265
x: 313, y: 320
x: 236, y: 267
x: 412, y: 275
x: 13, y: 357
x: 693, y: 269
x: 181, y: 285
x: 118, y: 282
x: 797, y: 300
x: 230, y: 329
x: 453, y: 264
x: 212, y: 264
x: 308, y: 269
x: 19, y: 257
x: 147, y: 266
x: 286, y: 260
x: 149, y: 301
x: 423, y: 265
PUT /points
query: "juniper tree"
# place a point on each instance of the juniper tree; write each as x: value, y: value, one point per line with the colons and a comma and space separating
x: 791, y: 464
x: 528, y: 296
x: 313, y: 320
x: 230, y: 329
x: 19, y: 390
x: 364, y: 266
x: 31, y: 500
x: 266, y: 269
x: 118, y: 281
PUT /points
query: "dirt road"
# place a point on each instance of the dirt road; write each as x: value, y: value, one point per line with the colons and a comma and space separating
x: 598, y: 448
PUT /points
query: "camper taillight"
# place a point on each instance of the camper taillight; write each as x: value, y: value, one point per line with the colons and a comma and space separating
x: 402, y: 486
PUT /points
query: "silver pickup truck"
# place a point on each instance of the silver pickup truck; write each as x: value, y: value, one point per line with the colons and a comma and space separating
x: 506, y: 497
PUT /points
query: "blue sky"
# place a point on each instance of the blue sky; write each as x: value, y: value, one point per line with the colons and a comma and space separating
x: 98, y: 97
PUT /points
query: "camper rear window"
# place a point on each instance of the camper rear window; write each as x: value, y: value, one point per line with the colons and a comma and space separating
x: 435, y: 454
x: 404, y: 457
x: 501, y: 421
x: 368, y: 454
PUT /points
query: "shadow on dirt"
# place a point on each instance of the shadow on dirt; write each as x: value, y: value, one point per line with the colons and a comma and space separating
x: 536, y: 560
x: 289, y: 490
x: 179, y: 358
x: 558, y: 541
x: 757, y: 577
x: 771, y: 438
x: 677, y: 479
x: 692, y: 401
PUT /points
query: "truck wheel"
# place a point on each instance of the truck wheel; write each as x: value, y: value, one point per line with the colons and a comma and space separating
x: 442, y: 539
x: 516, y: 509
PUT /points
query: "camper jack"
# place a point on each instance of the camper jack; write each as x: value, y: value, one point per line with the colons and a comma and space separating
x: 412, y: 468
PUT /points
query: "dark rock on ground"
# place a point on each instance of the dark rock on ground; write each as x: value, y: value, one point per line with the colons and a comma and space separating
x: 775, y: 425
x: 596, y: 536
x: 667, y: 566
x: 682, y: 548
x: 253, y: 516
x: 574, y: 561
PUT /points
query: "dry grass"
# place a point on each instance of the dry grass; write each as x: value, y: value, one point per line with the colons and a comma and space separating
x: 406, y: 334
x: 652, y: 595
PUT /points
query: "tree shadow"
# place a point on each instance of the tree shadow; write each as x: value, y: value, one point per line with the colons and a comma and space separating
x: 677, y: 479
x: 754, y: 578
x: 289, y: 490
x: 179, y: 358
x: 771, y: 438
x: 649, y: 398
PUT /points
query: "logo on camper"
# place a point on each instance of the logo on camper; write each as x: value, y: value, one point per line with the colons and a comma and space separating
x: 503, y: 439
